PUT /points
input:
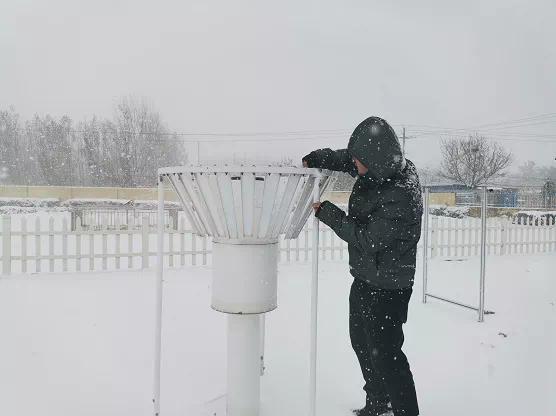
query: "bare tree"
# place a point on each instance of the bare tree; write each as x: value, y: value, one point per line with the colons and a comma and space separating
x: 140, y: 143
x: 51, y: 151
x: 473, y: 161
x: 94, y: 169
x: 9, y: 146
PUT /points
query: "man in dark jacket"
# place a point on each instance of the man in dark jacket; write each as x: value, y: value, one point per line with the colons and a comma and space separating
x: 382, y: 228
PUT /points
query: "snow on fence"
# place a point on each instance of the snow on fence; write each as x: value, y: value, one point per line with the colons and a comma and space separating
x: 36, y: 247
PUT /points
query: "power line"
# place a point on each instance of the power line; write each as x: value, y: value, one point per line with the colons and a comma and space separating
x: 534, y: 139
x: 422, y: 131
x: 502, y: 136
x: 520, y: 122
x: 484, y: 132
x: 418, y: 134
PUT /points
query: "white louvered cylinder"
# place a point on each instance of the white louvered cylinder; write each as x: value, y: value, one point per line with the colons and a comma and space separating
x: 245, y: 209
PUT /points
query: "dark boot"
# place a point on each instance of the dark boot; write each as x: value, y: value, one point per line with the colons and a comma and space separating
x: 371, y: 409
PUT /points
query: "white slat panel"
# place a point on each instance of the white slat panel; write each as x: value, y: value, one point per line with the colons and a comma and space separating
x: 225, y: 187
x: 285, y: 205
x: 247, y: 192
x: 192, y: 182
x: 213, y: 183
x: 306, y: 212
x: 278, y: 195
x: 304, y: 201
x: 302, y: 219
x: 235, y: 180
x: 290, y: 219
x: 198, y: 204
x: 182, y: 195
x: 258, y: 202
x: 210, y: 203
x: 269, y: 196
x: 323, y: 183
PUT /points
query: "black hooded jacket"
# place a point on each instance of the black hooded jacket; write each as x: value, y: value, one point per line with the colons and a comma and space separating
x: 383, y: 224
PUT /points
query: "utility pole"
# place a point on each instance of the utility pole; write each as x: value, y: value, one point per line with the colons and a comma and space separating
x: 404, y: 137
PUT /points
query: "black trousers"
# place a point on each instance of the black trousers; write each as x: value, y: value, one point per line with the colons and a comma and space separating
x: 376, y: 317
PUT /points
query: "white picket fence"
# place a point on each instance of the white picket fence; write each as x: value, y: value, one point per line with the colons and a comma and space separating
x: 34, y: 248
x: 453, y: 237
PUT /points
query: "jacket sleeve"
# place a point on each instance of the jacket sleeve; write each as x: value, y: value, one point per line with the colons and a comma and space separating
x: 378, y: 233
x: 338, y: 160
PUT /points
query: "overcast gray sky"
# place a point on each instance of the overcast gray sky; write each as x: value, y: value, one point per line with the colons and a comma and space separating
x: 261, y: 66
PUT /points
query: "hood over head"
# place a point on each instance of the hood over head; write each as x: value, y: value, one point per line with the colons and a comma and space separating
x: 376, y: 145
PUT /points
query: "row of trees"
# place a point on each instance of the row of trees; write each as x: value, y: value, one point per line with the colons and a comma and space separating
x: 122, y: 151
x: 127, y: 149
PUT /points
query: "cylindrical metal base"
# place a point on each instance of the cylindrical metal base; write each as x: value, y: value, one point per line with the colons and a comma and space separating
x: 244, y: 387
x: 244, y: 276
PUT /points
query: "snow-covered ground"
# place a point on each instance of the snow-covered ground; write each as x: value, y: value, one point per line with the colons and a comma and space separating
x: 82, y: 344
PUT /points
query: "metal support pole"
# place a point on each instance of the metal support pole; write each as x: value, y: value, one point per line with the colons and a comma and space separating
x: 453, y: 302
x: 158, y: 297
x: 425, y: 242
x: 263, y: 330
x: 314, y: 304
x: 483, y: 254
x: 243, y: 375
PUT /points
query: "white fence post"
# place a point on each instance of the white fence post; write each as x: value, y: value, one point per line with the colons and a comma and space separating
x: 182, y: 241
x: 117, y: 225
x: 193, y: 249
x: 65, y: 244
x: 144, y: 242
x: 171, y: 242
x: 6, y: 244
x: 23, y: 245
x: 204, y: 243
x: 503, y: 236
x: 77, y: 246
x: 91, y: 250
x: 37, y: 245
x: 51, y: 244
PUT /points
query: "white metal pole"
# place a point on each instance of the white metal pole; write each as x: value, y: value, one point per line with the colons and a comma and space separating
x: 243, y: 376
x: 263, y: 330
x: 314, y: 304
x: 158, y: 297
x: 483, y: 254
x: 425, y: 242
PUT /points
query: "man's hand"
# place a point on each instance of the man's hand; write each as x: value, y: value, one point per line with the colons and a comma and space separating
x: 308, y: 160
x: 316, y: 206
